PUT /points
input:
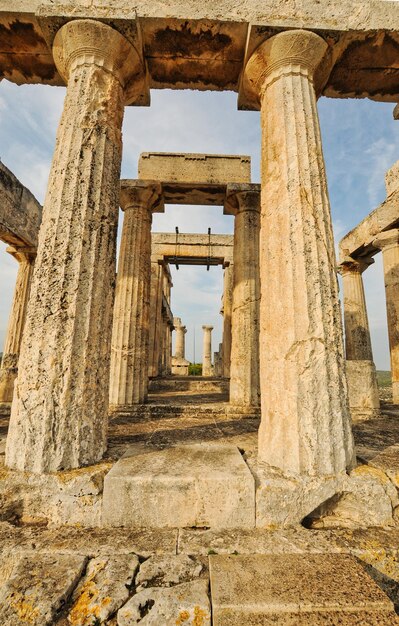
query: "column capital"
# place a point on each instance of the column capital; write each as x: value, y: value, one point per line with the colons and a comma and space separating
x: 387, y: 239
x: 207, y: 328
x: 242, y: 197
x: 289, y: 52
x: 88, y: 42
x: 351, y: 265
x: 23, y: 254
x: 139, y: 193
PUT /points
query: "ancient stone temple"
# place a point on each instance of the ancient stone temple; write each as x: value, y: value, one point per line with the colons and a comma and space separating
x: 130, y: 491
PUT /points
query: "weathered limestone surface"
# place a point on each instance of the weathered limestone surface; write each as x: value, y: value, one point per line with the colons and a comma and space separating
x: 9, y: 363
x: 59, y: 414
x: 193, y: 248
x: 295, y: 590
x: 244, y: 202
x: 388, y: 242
x: 227, y: 317
x: 195, y: 168
x: 179, y: 362
x: 20, y: 212
x: 103, y: 589
x: 131, y: 320
x: 360, y: 368
x: 168, y: 571
x: 305, y: 425
x: 207, y: 369
x: 38, y: 588
x: 190, y: 485
x: 156, y: 291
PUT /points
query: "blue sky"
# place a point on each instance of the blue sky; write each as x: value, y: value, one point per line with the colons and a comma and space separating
x: 360, y: 140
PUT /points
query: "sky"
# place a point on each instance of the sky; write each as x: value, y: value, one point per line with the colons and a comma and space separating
x: 360, y: 142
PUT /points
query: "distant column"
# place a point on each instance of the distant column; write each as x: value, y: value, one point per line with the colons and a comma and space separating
x: 388, y: 243
x: 362, y: 378
x: 207, y: 351
x: 244, y: 202
x: 180, y: 338
x: 227, y: 312
x: 130, y: 335
x: 9, y: 364
x: 155, y: 317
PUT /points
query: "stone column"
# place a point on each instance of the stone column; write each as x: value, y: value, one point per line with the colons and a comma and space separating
x: 243, y: 201
x: 9, y: 364
x: 227, y: 308
x: 180, y: 339
x: 60, y: 406
x: 130, y: 336
x: 305, y: 424
x: 362, y: 378
x: 155, y: 318
x: 207, y: 351
x: 388, y: 243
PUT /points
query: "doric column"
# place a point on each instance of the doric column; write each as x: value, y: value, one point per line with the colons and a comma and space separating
x: 130, y: 335
x: 362, y: 378
x: 156, y: 316
x: 227, y: 311
x: 388, y: 243
x: 59, y: 412
x: 180, y: 339
x: 243, y: 201
x: 305, y: 425
x: 207, y: 351
x: 9, y: 364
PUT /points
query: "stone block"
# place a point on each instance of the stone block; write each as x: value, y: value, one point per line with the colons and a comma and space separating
x: 364, y: 399
x: 198, y: 485
x: 295, y: 590
x: 195, y: 168
x: 392, y: 179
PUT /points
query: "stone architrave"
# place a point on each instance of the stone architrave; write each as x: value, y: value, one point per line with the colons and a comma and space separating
x: 388, y: 243
x: 243, y: 201
x: 305, y: 420
x: 207, y: 369
x: 362, y: 378
x: 227, y: 313
x: 9, y: 363
x: 59, y: 412
x: 130, y: 335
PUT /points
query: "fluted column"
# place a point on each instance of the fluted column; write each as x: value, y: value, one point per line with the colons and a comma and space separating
x: 244, y: 202
x: 305, y: 424
x: 59, y: 412
x: 180, y: 339
x: 131, y: 322
x: 388, y: 243
x: 362, y: 377
x: 9, y: 364
x: 155, y: 319
x: 227, y: 312
x: 207, y: 351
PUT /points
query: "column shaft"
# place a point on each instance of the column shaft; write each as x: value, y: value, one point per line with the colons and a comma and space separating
x: 305, y: 426
x: 9, y: 363
x: 60, y: 407
x: 227, y: 312
x: 207, y: 351
x: 155, y: 320
x: 244, y: 368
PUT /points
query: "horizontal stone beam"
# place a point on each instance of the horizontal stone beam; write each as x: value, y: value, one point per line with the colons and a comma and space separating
x: 359, y: 241
x: 204, y: 45
x: 192, y: 247
x: 20, y: 212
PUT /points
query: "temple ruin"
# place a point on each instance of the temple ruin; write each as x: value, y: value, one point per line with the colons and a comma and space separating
x: 130, y: 491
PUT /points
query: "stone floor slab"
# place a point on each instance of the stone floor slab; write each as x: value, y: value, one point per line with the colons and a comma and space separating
x: 199, y: 485
x: 269, y: 589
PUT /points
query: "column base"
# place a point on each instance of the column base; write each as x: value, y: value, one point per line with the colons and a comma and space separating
x: 364, y: 401
x: 7, y: 379
x: 179, y: 366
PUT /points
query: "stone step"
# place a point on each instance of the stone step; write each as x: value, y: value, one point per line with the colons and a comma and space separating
x: 189, y: 383
x: 158, y: 411
x: 296, y: 590
x: 195, y: 485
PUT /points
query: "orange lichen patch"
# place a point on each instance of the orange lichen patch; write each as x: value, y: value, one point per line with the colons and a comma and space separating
x: 199, y: 616
x: 81, y: 471
x: 25, y: 609
x: 88, y: 605
x: 183, y: 617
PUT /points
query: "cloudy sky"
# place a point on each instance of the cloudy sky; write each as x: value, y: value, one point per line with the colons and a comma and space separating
x: 360, y: 138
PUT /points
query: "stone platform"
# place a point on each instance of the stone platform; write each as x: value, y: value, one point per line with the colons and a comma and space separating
x: 198, y: 384
x: 197, y: 485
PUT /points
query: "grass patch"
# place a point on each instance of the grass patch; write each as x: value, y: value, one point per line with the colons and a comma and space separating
x: 384, y: 378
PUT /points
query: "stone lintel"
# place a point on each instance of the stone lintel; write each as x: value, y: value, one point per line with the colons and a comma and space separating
x: 195, y: 169
x: 387, y: 239
x: 146, y: 192
x: 20, y: 212
x: 192, y: 249
x: 233, y: 193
